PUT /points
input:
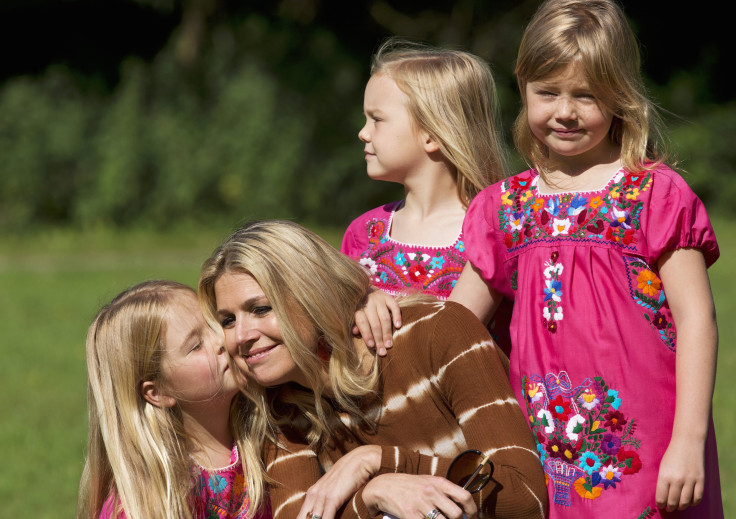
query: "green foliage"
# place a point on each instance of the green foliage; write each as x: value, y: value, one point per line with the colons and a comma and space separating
x: 709, y: 157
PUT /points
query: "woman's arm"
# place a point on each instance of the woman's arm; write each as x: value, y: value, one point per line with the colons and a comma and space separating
x: 682, y: 470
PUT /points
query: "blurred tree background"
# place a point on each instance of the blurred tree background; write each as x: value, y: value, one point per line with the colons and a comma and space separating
x: 151, y: 113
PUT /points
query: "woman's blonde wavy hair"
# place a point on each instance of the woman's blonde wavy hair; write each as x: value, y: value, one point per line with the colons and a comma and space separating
x: 595, y: 36
x: 314, y: 291
x: 138, y: 453
x: 452, y: 97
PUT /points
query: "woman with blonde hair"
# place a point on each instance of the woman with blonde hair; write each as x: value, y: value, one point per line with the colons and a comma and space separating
x: 164, y: 409
x: 285, y: 300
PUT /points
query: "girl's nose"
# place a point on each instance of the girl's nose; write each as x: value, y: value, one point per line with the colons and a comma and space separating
x: 363, y: 134
x: 565, y: 108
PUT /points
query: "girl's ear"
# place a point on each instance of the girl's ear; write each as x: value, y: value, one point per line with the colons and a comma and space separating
x: 151, y: 394
x: 430, y: 144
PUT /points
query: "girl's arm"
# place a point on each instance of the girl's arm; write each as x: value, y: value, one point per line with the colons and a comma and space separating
x: 681, y: 478
x: 475, y: 294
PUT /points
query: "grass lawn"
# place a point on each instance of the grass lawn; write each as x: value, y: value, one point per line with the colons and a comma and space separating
x: 53, y: 284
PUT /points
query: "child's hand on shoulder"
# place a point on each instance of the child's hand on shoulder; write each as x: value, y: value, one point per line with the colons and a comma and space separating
x: 681, y: 477
x: 375, y: 322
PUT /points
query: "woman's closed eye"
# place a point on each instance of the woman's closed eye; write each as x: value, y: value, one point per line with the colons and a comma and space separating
x: 261, y: 311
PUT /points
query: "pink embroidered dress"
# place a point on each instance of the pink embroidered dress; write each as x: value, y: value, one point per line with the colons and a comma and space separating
x: 397, y: 267
x: 218, y: 493
x: 593, y: 340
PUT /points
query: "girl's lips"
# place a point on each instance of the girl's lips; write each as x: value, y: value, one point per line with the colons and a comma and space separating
x: 564, y: 132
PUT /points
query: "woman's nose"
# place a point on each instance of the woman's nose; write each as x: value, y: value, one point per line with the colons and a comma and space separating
x: 244, y: 335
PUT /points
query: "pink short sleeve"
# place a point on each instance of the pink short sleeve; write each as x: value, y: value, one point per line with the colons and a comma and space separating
x: 677, y: 219
x: 108, y: 508
x: 484, y: 245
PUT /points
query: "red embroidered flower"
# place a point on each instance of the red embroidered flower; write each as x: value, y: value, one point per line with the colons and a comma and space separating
x: 563, y: 450
x: 508, y: 240
x: 417, y: 273
x: 615, y: 421
x: 559, y: 408
x: 628, y: 236
x: 376, y: 231
x: 659, y: 321
x: 521, y: 182
x: 634, y: 179
x: 631, y: 461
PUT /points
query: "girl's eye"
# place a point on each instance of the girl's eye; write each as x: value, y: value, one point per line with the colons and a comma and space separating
x: 196, y: 346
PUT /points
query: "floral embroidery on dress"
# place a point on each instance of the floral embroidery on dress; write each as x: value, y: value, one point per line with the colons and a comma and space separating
x: 221, y: 494
x: 395, y: 267
x: 585, y: 441
x: 552, y: 311
x: 612, y: 217
x: 647, y: 291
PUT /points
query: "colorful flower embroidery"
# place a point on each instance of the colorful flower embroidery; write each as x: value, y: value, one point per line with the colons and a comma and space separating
x: 612, y: 217
x: 397, y: 268
x: 585, y: 441
x: 222, y: 493
x: 552, y: 311
x: 647, y: 291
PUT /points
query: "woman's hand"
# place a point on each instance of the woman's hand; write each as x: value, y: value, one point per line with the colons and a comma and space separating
x: 374, y: 323
x: 406, y: 495
x: 681, y: 478
x: 343, y: 480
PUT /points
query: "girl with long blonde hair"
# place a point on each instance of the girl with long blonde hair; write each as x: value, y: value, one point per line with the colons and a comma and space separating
x: 167, y: 422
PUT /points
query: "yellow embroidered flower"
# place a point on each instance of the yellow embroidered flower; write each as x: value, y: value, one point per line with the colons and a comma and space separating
x: 596, y: 202
x: 633, y: 195
x: 526, y: 195
x: 505, y: 198
x: 593, y: 493
x: 648, y: 282
x: 615, y: 192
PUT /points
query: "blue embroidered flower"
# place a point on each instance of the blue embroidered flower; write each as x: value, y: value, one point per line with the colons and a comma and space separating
x: 589, y: 462
x: 399, y: 258
x: 553, y: 290
x: 460, y: 246
x: 437, y: 262
x: 553, y: 206
x: 217, y: 483
x: 616, y: 402
x: 383, y: 276
x: 577, y: 204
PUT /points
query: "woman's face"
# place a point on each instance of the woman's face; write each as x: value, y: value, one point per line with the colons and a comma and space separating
x: 252, y: 332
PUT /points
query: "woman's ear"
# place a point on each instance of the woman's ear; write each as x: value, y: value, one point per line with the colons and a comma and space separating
x: 151, y: 394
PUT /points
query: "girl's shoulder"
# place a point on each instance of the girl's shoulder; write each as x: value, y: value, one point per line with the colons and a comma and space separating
x: 382, y: 211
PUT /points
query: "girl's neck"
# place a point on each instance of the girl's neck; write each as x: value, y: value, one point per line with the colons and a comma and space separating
x: 432, y: 213
x: 209, y: 428
x: 582, y: 173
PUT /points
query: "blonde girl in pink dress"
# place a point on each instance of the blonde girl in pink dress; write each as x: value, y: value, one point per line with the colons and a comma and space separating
x: 166, y: 417
x: 604, y: 250
x: 431, y: 126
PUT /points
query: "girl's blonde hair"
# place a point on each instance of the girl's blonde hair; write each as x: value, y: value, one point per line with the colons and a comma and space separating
x: 138, y: 453
x: 595, y: 36
x: 314, y: 291
x: 452, y: 97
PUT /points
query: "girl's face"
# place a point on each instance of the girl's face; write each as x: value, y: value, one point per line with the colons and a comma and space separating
x: 564, y: 115
x: 252, y: 332
x: 195, y: 365
x: 393, y: 148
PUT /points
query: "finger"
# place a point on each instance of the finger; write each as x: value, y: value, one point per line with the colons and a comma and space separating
x: 660, y: 496
x: 393, y: 307
x: 698, y: 492
x: 673, y: 497
x: 387, y: 330
x: 364, y: 328
x: 686, y: 496
x: 373, y: 315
